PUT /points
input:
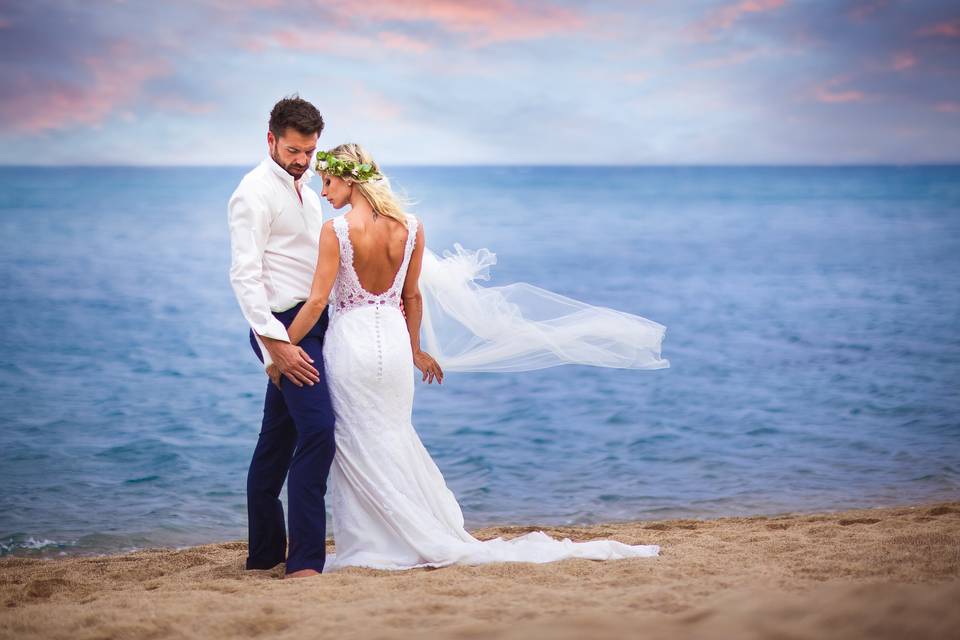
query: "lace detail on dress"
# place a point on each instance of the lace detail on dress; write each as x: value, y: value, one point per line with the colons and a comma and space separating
x: 347, y: 292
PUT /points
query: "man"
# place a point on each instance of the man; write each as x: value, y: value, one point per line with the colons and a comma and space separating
x: 275, y: 221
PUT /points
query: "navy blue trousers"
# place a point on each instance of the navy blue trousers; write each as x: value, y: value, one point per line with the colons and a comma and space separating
x: 296, y: 442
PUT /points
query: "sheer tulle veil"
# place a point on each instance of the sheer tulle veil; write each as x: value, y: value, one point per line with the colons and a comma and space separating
x: 519, y: 327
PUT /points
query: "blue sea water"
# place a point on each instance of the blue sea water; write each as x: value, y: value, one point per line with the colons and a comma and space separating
x: 813, y: 322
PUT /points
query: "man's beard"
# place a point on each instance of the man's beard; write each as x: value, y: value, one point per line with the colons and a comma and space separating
x: 293, y: 169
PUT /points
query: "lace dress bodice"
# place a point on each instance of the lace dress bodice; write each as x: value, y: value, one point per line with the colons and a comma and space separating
x: 348, y: 293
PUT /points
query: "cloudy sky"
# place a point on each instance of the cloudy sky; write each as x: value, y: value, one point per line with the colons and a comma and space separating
x: 496, y: 81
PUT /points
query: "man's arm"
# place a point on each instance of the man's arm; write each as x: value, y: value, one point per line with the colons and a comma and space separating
x: 249, y: 221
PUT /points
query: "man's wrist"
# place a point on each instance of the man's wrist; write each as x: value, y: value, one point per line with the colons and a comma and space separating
x: 271, y: 343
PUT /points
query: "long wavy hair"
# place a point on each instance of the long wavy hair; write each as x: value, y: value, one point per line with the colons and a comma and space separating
x: 377, y: 192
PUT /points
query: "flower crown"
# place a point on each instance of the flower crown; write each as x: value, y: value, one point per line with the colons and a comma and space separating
x: 327, y: 163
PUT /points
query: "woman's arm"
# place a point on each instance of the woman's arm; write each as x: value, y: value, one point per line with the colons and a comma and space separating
x: 413, y: 308
x: 328, y: 261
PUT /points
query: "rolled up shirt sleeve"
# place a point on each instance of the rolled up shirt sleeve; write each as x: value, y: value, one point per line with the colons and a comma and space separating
x: 249, y: 220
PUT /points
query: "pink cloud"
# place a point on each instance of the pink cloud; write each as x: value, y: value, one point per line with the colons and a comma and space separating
x: 171, y: 102
x: 947, y: 107
x: 725, y: 17
x: 114, y: 79
x: 826, y: 92
x: 485, y: 22
x: 401, y: 42
x: 863, y: 10
x: 946, y: 29
x: 4, y: 23
x: 482, y: 22
x: 728, y: 60
x: 903, y: 60
x: 339, y: 42
x: 296, y: 39
x: 377, y: 25
x: 234, y: 5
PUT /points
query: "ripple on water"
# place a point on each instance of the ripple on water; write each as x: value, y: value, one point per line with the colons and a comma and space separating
x: 24, y: 544
x: 763, y: 431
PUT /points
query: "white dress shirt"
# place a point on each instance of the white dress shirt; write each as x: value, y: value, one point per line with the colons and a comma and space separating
x: 274, y: 241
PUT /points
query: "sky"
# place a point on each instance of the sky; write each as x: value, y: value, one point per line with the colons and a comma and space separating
x: 192, y: 82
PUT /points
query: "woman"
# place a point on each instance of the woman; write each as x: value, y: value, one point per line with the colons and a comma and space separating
x: 391, y: 506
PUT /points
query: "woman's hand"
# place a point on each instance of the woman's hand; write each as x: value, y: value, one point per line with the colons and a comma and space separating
x: 274, y: 372
x: 428, y: 367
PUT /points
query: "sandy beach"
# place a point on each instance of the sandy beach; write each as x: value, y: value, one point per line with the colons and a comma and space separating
x: 879, y: 573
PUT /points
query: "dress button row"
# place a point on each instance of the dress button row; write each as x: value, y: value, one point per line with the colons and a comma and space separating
x: 379, y: 347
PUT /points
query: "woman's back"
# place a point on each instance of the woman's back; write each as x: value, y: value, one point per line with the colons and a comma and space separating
x: 374, y: 260
x: 379, y: 246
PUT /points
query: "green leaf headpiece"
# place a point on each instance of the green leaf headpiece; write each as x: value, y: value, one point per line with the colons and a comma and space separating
x: 327, y: 163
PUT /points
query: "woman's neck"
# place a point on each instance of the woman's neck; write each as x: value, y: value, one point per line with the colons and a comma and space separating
x: 360, y: 206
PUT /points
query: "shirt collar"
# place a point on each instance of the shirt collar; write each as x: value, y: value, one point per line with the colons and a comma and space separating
x: 286, y: 177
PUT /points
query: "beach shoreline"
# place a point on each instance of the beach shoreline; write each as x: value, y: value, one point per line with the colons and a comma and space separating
x: 877, y: 572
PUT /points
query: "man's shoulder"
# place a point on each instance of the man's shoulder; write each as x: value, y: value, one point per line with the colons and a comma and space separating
x: 255, y: 181
x: 256, y: 175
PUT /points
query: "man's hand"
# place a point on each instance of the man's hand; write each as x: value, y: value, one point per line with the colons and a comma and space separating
x: 292, y: 361
x: 273, y: 371
x: 428, y: 367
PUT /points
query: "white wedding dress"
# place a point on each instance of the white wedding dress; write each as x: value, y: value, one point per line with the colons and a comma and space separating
x: 391, y: 507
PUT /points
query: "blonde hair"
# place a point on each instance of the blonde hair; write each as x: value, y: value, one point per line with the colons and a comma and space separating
x: 377, y: 192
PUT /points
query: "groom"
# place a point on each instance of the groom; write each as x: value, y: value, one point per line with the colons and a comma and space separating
x: 275, y: 222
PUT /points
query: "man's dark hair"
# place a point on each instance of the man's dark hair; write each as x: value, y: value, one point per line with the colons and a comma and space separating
x: 294, y: 111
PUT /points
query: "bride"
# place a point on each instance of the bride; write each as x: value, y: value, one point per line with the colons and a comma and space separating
x: 391, y: 507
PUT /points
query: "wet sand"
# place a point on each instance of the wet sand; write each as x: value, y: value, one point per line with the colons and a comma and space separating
x: 878, y: 573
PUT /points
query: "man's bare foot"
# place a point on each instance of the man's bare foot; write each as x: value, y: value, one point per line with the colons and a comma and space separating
x: 303, y: 573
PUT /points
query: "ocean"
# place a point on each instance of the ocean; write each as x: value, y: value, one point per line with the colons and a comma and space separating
x: 813, y: 330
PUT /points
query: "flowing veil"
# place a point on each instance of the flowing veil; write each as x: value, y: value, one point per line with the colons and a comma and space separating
x: 519, y: 327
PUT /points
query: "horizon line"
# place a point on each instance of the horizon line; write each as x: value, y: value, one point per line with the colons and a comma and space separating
x: 944, y: 163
